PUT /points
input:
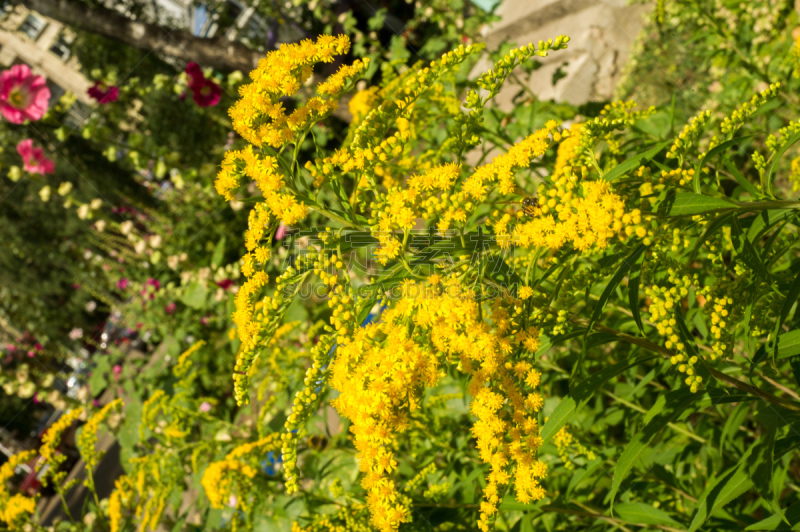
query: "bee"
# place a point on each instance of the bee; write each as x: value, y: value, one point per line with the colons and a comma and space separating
x: 530, y: 206
x: 317, y: 442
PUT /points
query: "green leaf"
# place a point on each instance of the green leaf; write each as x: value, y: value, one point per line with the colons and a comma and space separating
x: 788, y: 345
x: 722, y: 490
x: 747, y: 185
x: 580, y: 395
x: 665, y: 410
x: 633, y: 293
x: 745, y: 250
x: 788, y: 303
x: 761, y: 463
x: 711, y: 153
x: 195, y: 295
x: 764, y: 220
x: 643, y: 514
x: 711, y: 227
x: 219, y: 252
x: 733, y: 422
x: 689, y: 203
x: 634, y: 162
x: 775, y: 522
x: 98, y: 380
x: 771, y: 168
x: 622, y: 271
x: 794, y: 363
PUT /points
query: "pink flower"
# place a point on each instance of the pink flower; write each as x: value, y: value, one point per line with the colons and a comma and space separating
x: 23, y: 96
x: 34, y: 159
x: 122, y: 284
x: 208, y: 94
x: 103, y: 93
x: 117, y: 370
x: 31, y: 354
x: 38, y: 346
x: 205, y: 406
x: 147, y: 291
x: 170, y: 308
x: 204, y: 320
x: 194, y: 76
x: 280, y: 232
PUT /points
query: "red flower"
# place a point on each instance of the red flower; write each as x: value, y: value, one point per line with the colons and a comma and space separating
x: 208, y: 95
x: 170, y: 308
x: 34, y: 159
x: 23, y: 96
x: 224, y: 284
x: 194, y: 76
x: 103, y: 93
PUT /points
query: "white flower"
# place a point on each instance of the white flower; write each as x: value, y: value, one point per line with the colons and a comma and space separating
x: 64, y: 188
x: 96, y: 204
x: 126, y: 227
x: 155, y: 241
x: 83, y: 211
x: 100, y: 225
x: 83, y: 394
x: 27, y: 390
x: 76, y: 333
x: 90, y: 306
x: 173, y: 262
x: 140, y: 247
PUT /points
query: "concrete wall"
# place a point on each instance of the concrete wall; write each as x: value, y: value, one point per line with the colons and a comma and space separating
x: 601, y: 33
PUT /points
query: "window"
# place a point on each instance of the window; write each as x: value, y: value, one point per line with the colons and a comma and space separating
x: 33, y: 26
x: 61, y: 48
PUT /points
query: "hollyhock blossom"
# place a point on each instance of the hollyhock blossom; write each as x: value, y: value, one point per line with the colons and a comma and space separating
x: 23, y: 95
x: 280, y: 233
x: 208, y: 94
x: 224, y: 284
x: 34, y: 159
x: 103, y: 93
x: 194, y: 76
x: 170, y: 308
x: 147, y: 291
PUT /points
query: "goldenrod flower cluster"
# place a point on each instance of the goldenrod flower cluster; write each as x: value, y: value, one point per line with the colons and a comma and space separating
x: 362, y: 103
x: 119, y: 499
x: 15, y: 510
x: 380, y: 372
x: 258, y: 115
x: 585, y: 220
x: 724, y: 316
x: 50, y: 442
x: 665, y: 302
x: 794, y: 174
x: 87, y: 439
x: 731, y: 124
x: 689, y: 136
x: 567, y: 444
x: 351, y: 518
x: 232, y: 475
x: 183, y: 365
x: 307, y: 400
